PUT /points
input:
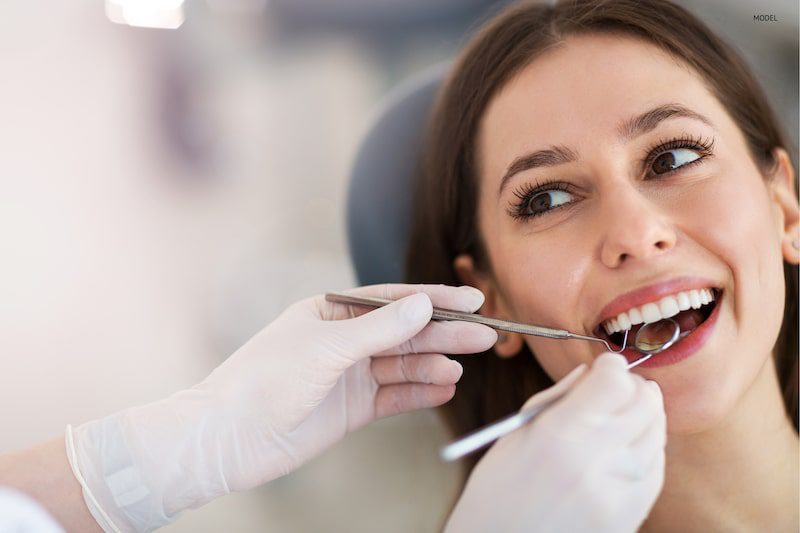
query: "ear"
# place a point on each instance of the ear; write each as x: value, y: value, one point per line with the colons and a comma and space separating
x: 508, y: 344
x: 785, y: 198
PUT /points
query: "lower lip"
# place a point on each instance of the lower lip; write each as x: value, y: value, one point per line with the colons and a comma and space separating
x: 682, y: 349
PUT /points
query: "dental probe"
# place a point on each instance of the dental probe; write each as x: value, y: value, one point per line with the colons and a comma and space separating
x: 486, y: 435
x: 490, y: 433
x: 495, y: 323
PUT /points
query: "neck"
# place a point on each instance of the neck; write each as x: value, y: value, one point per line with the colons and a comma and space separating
x: 739, y: 476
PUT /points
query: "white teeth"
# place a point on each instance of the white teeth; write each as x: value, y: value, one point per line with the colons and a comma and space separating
x: 654, y: 311
x: 651, y: 313
x: 694, y: 298
x: 668, y: 306
x: 683, y: 301
x: 703, y: 299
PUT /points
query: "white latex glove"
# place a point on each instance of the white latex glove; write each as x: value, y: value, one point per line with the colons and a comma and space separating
x: 313, y: 375
x: 593, y: 461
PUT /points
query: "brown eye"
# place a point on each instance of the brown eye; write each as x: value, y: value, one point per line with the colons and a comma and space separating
x: 672, y: 159
x: 545, y: 201
x: 540, y: 202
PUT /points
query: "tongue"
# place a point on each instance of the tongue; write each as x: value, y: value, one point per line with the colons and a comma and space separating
x: 689, y: 319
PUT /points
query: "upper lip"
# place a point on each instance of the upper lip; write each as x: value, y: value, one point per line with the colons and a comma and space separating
x: 650, y: 293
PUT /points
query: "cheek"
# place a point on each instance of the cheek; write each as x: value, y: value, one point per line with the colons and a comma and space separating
x: 734, y: 221
x: 540, y: 288
x: 730, y: 222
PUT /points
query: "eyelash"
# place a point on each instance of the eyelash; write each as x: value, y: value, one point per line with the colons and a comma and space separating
x: 524, y: 194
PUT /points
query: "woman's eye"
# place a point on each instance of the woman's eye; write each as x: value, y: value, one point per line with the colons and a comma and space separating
x: 672, y: 159
x: 545, y: 201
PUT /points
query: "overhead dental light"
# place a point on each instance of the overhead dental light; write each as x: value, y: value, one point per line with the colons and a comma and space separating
x: 164, y: 14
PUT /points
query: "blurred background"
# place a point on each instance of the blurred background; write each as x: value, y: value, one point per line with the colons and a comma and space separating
x: 174, y: 174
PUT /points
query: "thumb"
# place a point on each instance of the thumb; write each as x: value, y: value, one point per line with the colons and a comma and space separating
x: 556, y: 390
x: 383, y: 328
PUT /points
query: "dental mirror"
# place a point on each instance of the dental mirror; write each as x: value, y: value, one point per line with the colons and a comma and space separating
x: 653, y: 338
x: 656, y: 337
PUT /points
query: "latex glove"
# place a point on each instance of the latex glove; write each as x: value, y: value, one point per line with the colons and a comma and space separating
x: 294, y: 389
x: 593, y: 461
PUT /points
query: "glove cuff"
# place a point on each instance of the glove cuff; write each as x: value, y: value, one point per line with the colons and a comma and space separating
x: 113, y: 489
x: 97, y: 512
x: 141, y: 467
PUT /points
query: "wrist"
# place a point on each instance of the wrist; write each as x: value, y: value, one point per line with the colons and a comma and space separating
x: 143, y: 466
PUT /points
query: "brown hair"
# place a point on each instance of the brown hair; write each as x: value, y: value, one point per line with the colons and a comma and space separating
x: 445, y: 222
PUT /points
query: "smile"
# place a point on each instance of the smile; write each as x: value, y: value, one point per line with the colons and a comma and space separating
x: 695, y: 310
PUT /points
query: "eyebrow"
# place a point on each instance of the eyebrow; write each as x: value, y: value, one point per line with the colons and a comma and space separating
x: 627, y: 130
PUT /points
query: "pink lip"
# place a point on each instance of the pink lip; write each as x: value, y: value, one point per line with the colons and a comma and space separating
x: 684, y: 347
x: 651, y: 293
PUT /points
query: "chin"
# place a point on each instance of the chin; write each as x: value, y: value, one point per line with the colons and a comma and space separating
x: 699, y: 409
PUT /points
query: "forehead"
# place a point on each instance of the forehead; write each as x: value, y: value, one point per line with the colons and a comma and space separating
x: 582, y: 88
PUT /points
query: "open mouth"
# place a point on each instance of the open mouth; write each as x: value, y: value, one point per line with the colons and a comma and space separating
x: 688, y: 308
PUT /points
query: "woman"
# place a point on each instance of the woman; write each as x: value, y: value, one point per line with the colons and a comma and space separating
x: 591, y: 162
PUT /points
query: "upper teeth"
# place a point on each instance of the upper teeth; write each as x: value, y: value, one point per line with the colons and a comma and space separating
x: 664, y: 308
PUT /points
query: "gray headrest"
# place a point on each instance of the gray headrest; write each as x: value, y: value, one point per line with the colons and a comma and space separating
x: 381, y: 185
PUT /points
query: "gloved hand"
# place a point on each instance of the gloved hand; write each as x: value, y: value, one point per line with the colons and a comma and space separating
x: 316, y: 373
x: 593, y: 461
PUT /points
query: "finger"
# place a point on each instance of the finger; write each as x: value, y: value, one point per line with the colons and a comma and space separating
x: 556, y: 390
x: 465, y: 298
x: 649, y: 487
x: 395, y: 399
x: 606, y: 387
x: 650, y: 444
x: 653, y: 439
x: 630, y: 496
x: 435, y: 369
x: 640, y: 489
x: 450, y: 337
x: 634, y: 419
x: 379, y: 330
x: 633, y: 465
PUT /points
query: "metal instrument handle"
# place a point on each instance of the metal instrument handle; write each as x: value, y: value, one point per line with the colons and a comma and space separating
x: 446, y: 314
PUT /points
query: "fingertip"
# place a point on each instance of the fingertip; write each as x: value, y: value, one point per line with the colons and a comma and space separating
x: 610, y: 377
x: 655, y: 389
x: 474, y: 297
x: 658, y: 398
x: 611, y: 360
x: 486, y: 337
x: 416, y: 308
x: 457, y: 370
x: 444, y: 394
x: 577, y: 371
x: 445, y: 372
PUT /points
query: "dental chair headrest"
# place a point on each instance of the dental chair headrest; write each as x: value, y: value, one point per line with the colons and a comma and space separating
x: 381, y: 186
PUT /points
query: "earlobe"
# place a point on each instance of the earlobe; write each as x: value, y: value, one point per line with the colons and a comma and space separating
x: 508, y: 344
x: 785, y: 196
x: 791, y: 247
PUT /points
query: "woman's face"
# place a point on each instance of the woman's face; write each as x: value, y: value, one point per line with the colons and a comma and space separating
x: 611, y: 178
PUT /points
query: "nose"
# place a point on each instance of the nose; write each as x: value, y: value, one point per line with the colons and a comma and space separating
x: 633, y: 227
